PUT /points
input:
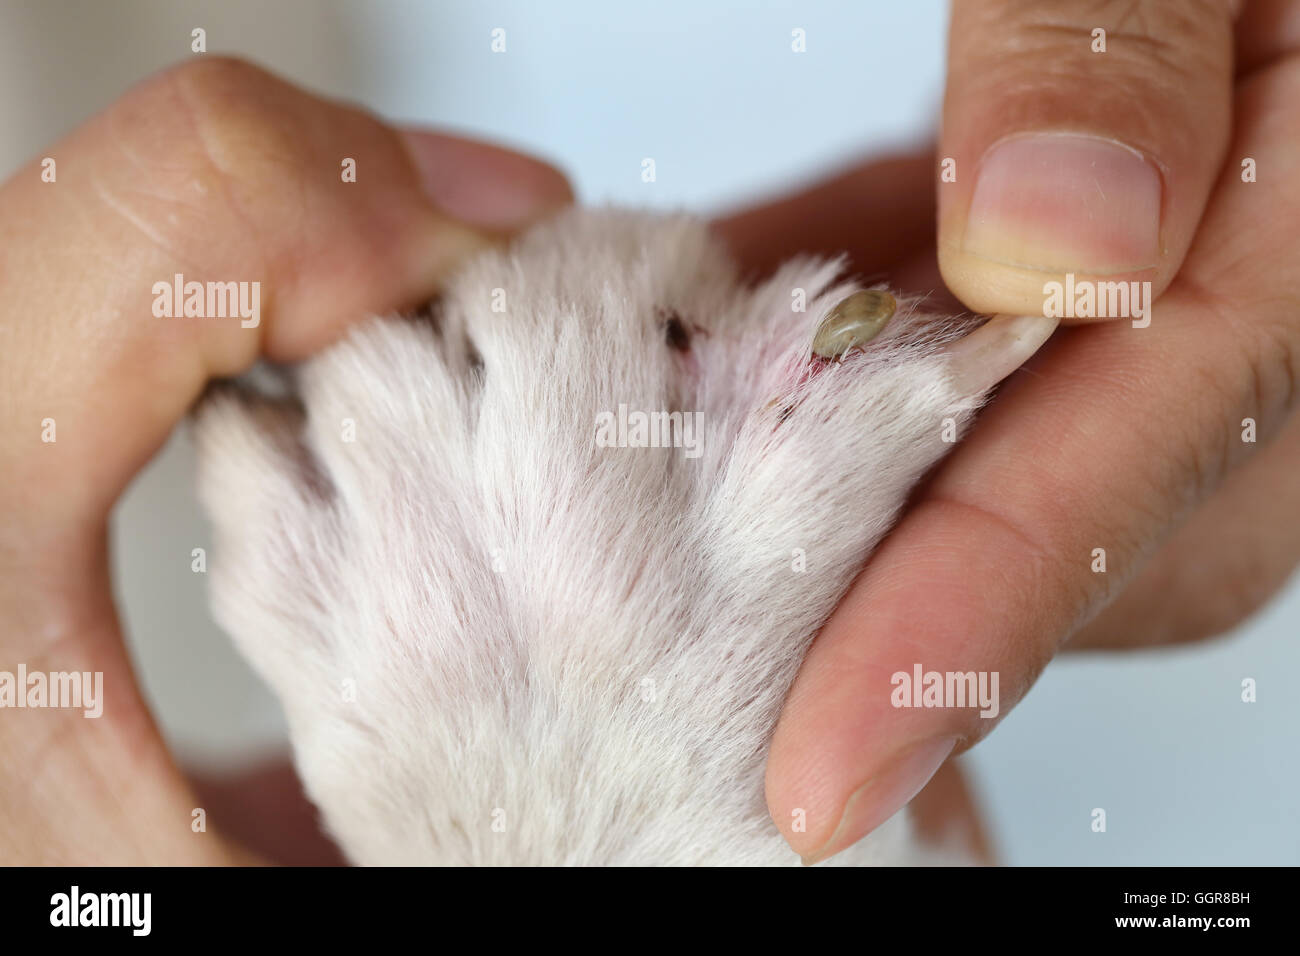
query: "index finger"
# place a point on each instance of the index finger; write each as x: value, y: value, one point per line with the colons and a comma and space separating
x: 291, y: 216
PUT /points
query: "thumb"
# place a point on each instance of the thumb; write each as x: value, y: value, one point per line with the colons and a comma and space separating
x: 1078, y: 138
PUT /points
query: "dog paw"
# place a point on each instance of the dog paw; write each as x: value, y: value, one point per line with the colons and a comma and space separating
x: 532, y: 574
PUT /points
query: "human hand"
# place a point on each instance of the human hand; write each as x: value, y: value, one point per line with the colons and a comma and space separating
x: 1115, y: 437
x: 220, y: 172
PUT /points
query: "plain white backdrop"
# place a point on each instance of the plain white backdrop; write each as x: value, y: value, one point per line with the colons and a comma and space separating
x: 1186, y: 771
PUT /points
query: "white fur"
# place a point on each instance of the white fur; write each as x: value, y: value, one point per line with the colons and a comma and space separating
x: 586, y: 646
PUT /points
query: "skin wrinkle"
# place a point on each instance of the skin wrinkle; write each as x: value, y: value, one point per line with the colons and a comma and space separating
x: 119, y: 123
x: 1051, y: 92
x: 1284, y: 62
x: 1258, y: 399
x: 1044, y: 558
x: 1193, y: 475
x: 141, y: 225
x: 1273, y: 368
x: 92, y: 759
x: 197, y: 114
x: 1171, y: 55
x: 1173, y: 17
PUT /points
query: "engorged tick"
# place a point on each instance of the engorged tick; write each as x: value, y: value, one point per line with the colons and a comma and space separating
x: 853, y: 323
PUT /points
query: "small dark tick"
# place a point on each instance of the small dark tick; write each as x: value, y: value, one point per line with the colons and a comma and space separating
x: 675, y: 333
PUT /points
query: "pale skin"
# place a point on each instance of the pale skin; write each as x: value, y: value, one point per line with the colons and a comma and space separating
x: 1113, y: 437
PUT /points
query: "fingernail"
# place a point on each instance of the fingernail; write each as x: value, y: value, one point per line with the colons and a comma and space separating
x: 485, y: 186
x: 884, y: 795
x: 1062, y: 202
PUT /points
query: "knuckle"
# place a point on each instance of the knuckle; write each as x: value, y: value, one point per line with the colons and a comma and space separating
x: 218, y: 98
x: 1273, y: 362
x: 245, y: 120
x: 1178, y: 36
x: 1030, y: 59
x: 1254, y: 376
x: 242, y: 141
x: 216, y: 141
x: 216, y: 73
x: 209, y: 92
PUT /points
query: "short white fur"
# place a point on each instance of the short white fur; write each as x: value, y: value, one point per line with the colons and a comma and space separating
x: 497, y: 642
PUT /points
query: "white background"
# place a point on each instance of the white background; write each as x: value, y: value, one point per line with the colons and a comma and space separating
x: 1187, y: 773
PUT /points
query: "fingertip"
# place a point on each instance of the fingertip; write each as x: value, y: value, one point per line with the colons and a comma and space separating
x: 883, y: 795
x: 1076, y: 149
x: 485, y: 186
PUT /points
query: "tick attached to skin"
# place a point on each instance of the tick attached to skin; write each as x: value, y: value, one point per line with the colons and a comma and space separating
x: 853, y: 323
x: 676, y: 335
